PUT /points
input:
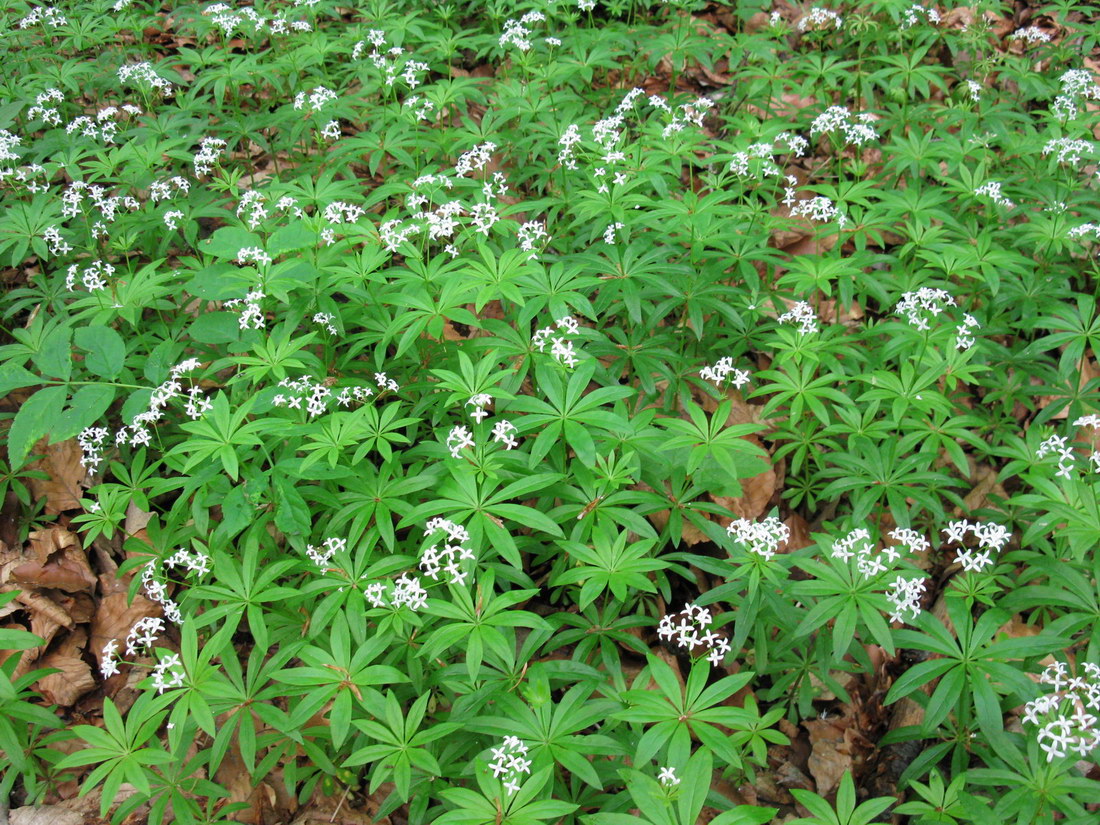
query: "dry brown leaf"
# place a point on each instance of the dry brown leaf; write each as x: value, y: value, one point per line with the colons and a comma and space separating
x: 56, y: 561
x: 63, y: 488
x: 116, y: 616
x: 73, y: 681
x: 831, y: 752
x: 46, y: 815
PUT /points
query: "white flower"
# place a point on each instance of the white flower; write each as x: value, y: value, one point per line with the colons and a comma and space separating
x: 668, y: 778
x: 459, y: 439
x: 762, y: 538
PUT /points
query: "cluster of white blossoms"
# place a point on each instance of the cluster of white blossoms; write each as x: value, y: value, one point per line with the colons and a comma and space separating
x: 905, y: 593
x: 560, y: 347
x: 533, y: 238
x: 758, y: 160
x: 91, y: 441
x: 106, y: 205
x: 137, y: 433
x: 1031, y: 35
x: 688, y: 114
x: 722, y: 370
x: 475, y: 159
x: 143, y: 634
x: 692, y: 630
x: 818, y: 19
x: 819, y: 209
x: 93, y: 277
x: 104, y: 126
x: 404, y: 591
x: 760, y: 537
x: 143, y: 75
x: 479, y: 402
x: 231, y: 20
x: 168, y: 673
x: 155, y: 587
x: 317, y: 99
x: 508, y: 763
x: 446, y: 558
x: 1066, y: 723
x: 1067, y: 459
x: 992, y: 190
x: 668, y: 778
x: 252, y: 315
x: 460, y: 437
x: 516, y: 32
x: 45, y: 15
x: 1078, y: 86
x: 392, y: 61
x: 210, y: 151
x: 317, y: 397
x: 1067, y: 150
x: 32, y: 177
x: 913, y: 15
x: 991, y: 539
x: 856, y: 130
x: 322, y: 555
x: 801, y: 314
x: 914, y: 305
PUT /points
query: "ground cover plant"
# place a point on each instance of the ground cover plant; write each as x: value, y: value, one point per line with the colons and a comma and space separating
x: 535, y: 412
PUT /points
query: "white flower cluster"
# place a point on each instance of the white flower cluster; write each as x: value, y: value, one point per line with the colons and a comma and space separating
x: 252, y: 316
x: 530, y: 235
x: 914, y: 305
x: 1066, y: 458
x: 321, y: 557
x: 516, y: 32
x: 46, y: 15
x: 818, y: 19
x: 912, y: 15
x: 42, y: 108
x: 104, y: 126
x: 991, y: 539
x: 668, y: 778
x: 317, y: 396
x: 142, y: 74
x: 724, y: 368
x: 964, y: 337
x: 758, y: 160
x: 137, y: 433
x: 157, y: 590
x: 318, y: 98
x: 1067, y: 725
x: 1077, y: 86
x: 420, y: 107
x: 26, y: 175
x: 210, y: 151
x: 508, y: 762
x: 57, y: 245
x: 688, y: 114
x: 406, y: 591
x: 475, y: 159
x: 906, y: 593
x: 975, y: 90
x: 569, y: 139
x: 1067, y: 150
x: 446, y: 559
x: 992, y: 190
x: 803, y: 315
x: 107, y: 205
x: 389, y: 61
x: 760, y: 537
x: 857, y: 130
x: 230, y: 20
x: 93, y: 277
x: 560, y: 346
x: 91, y: 441
x: 168, y: 673
x: 692, y: 630
x: 1031, y: 34
x: 819, y: 209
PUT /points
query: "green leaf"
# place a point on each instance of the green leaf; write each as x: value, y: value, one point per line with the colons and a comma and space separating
x: 227, y: 242
x: 85, y: 409
x: 34, y: 419
x: 14, y: 378
x: 105, y: 347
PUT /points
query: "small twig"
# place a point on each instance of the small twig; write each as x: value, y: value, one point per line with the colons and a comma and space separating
x: 332, y: 818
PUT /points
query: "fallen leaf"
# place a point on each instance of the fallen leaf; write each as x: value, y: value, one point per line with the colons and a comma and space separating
x: 831, y: 752
x: 75, y: 677
x: 56, y: 561
x: 46, y: 815
x: 63, y: 486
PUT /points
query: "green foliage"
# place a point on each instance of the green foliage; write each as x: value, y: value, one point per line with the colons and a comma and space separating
x: 513, y: 447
